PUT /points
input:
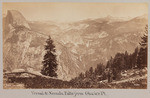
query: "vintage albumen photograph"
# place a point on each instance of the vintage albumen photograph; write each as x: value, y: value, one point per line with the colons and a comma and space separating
x: 66, y: 45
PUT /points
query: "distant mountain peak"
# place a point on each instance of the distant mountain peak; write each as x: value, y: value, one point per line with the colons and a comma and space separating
x: 109, y: 16
x: 16, y: 19
x: 144, y: 16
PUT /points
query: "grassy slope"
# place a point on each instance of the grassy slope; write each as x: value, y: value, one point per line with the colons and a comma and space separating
x: 131, y: 79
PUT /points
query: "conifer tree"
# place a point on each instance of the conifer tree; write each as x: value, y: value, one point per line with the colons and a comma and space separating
x: 142, y: 55
x: 49, y: 61
x: 134, y: 57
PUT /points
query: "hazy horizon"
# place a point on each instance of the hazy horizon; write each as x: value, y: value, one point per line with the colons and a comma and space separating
x: 70, y: 12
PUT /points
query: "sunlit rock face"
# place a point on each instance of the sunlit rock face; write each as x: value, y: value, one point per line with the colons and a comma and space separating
x: 79, y: 45
x: 22, y: 47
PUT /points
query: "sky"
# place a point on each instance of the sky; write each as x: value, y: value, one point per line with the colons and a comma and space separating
x: 68, y: 12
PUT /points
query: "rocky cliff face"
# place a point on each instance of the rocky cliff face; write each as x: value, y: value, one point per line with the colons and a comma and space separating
x: 79, y: 45
x: 22, y: 47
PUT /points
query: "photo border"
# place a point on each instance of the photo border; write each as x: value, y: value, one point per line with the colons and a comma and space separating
x: 110, y: 93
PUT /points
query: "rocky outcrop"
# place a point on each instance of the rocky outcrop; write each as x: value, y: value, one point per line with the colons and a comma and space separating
x: 30, y: 80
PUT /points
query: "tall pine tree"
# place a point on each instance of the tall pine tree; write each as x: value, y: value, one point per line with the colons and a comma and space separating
x: 49, y: 61
x: 142, y: 55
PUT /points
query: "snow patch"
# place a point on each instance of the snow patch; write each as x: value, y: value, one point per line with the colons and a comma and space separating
x: 103, y: 34
x: 74, y: 50
x: 91, y: 51
x: 18, y: 70
x: 120, y: 40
